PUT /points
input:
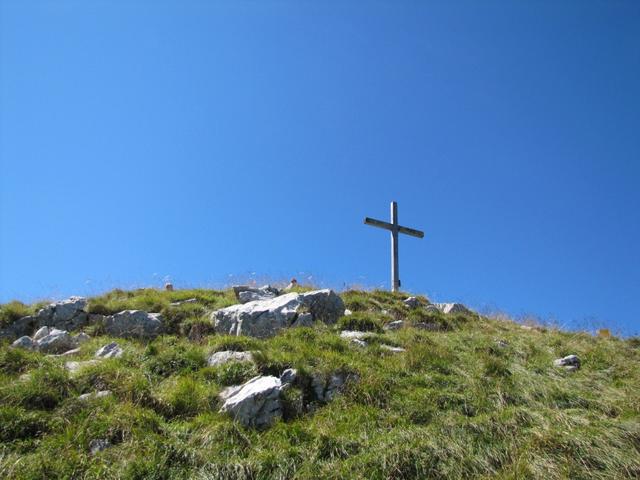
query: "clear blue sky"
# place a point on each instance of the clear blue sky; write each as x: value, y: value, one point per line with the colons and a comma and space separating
x: 197, y: 140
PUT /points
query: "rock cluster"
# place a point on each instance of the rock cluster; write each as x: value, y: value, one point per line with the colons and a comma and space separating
x: 50, y: 340
x: 264, y: 318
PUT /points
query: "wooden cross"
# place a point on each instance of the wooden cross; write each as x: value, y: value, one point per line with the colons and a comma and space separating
x: 394, y: 228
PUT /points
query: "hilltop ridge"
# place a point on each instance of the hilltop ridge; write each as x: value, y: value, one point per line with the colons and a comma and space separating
x: 394, y: 388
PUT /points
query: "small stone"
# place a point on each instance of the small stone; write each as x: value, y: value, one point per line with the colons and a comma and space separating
x: 448, y: 308
x: 412, y: 302
x: 349, y: 334
x: 111, y: 350
x: 98, y: 444
x: 570, y: 362
x: 289, y: 376
x: 70, y: 353
x: 347, y: 312
x: 94, y: 395
x: 220, y: 358
x: 398, y: 324
x: 24, y: 342
x: 392, y: 349
x: 502, y: 343
x: 432, y: 327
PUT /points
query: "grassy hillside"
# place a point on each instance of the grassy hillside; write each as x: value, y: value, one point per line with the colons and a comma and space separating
x: 479, y: 398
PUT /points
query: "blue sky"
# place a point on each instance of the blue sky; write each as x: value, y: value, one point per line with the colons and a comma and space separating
x: 206, y: 141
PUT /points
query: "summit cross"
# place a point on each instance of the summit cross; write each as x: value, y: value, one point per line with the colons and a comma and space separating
x: 395, y: 229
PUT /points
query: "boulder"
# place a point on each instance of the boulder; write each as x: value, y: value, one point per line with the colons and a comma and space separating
x: 40, y: 333
x: 303, y: 320
x: 255, y: 403
x: 56, y: 341
x: 133, y: 324
x: 247, y: 294
x: 570, y: 362
x: 82, y: 338
x: 220, y: 358
x: 448, y: 308
x: 264, y: 318
x: 110, y: 350
x: 67, y: 314
x: 24, y: 342
x: 412, y: 302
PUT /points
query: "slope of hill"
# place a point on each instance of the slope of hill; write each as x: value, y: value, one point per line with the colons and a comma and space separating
x: 470, y: 397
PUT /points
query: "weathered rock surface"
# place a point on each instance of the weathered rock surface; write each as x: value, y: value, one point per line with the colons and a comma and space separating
x: 133, y: 324
x: 396, y: 325
x: 412, y: 302
x: 56, y: 341
x: 98, y: 444
x: 67, y: 314
x: 570, y: 362
x: 448, y: 308
x: 24, y: 342
x: 20, y: 328
x: 264, y: 318
x: 246, y: 294
x: 255, y: 403
x: 110, y: 350
x: 220, y: 358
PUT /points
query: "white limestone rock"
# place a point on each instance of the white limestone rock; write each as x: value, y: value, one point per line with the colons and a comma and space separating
x: 75, y: 367
x: 264, y: 318
x: 110, y: 350
x: 412, y: 302
x: 133, y: 324
x: 40, y: 333
x: 220, y: 358
x: 56, y: 341
x: 98, y: 444
x: 393, y: 349
x: 69, y: 314
x: 570, y: 362
x: 448, y: 308
x: 255, y: 403
x: 289, y: 376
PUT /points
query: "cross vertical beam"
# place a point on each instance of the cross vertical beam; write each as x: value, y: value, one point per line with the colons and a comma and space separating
x: 395, y: 228
x: 395, y: 267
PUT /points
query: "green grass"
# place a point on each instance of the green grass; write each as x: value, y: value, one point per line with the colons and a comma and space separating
x: 456, y: 404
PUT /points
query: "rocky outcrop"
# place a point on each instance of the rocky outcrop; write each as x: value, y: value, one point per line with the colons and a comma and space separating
x: 255, y: 403
x: 264, y: 318
x: 220, y: 358
x: 412, y: 302
x: 396, y: 325
x: 50, y: 340
x: 133, y: 324
x: 67, y: 314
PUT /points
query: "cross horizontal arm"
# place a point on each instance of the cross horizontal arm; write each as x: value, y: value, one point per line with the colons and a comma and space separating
x: 411, y: 231
x: 378, y: 223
